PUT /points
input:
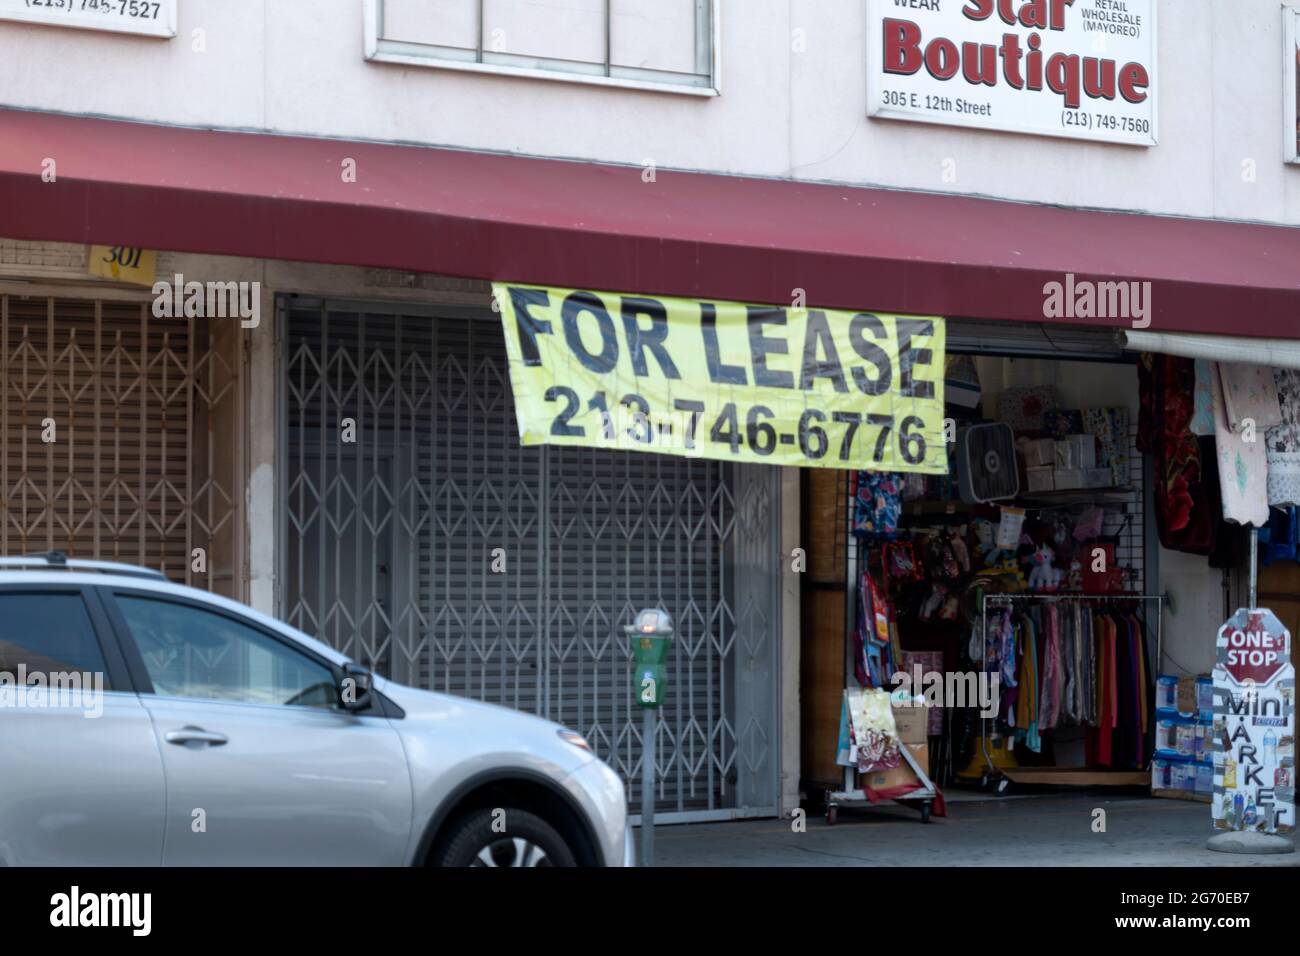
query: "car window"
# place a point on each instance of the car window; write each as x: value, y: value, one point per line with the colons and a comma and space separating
x: 190, y: 652
x: 47, y: 633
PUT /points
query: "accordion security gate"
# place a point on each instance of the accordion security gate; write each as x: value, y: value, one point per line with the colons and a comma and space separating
x: 120, y: 437
x: 421, y: 538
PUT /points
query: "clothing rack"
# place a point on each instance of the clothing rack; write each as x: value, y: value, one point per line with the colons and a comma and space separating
x: 1081, y: 776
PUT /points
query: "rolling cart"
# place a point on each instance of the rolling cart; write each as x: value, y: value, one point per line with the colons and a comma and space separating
x: 855, y: 798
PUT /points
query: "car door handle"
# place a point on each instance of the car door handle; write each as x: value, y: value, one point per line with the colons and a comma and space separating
x: 195, y: 735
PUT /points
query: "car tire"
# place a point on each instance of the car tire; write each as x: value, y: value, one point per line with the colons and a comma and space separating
x: 477, y: 839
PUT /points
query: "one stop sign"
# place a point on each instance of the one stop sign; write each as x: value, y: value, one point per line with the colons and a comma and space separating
x: 1256, y: 646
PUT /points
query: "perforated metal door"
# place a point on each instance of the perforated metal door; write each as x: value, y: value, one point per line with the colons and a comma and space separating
x: 434, y: 546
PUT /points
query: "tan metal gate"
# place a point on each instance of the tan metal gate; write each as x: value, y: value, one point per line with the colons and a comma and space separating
x: 122, y: 437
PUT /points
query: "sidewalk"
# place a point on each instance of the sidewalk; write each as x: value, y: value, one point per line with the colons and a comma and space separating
x: 1053, y: 830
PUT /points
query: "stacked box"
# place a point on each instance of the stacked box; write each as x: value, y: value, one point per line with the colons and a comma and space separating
x: 1184, y: 759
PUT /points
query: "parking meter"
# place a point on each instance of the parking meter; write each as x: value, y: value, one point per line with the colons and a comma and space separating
x: 651, y: 637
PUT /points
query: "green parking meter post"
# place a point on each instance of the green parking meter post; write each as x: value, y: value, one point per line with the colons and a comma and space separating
x: 651, y: 635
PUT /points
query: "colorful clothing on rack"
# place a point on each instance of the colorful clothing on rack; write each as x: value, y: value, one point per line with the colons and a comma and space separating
x: 1078, y: 663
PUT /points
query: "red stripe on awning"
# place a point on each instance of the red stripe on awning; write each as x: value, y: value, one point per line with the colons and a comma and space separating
x: 585, y: 225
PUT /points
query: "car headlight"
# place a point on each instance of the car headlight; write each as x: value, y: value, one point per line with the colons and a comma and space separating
x: 572, y: 737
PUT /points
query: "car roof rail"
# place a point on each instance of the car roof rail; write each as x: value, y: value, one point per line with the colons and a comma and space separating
x: 57, y: 560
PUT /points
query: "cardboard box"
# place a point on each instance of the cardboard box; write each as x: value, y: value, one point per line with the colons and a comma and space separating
x: 1167, y: 691
x: 1069, y: 479
x: 1040, y: 479
x: 1039, y: 452
x: 1076, y: 451
x: 901, y: 775
x: 912, y: 723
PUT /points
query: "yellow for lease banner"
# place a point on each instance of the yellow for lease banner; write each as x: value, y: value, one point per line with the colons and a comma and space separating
x: 787, y: 386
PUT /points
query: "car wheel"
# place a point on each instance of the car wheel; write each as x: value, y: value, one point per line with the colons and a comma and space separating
x: 504, y: 837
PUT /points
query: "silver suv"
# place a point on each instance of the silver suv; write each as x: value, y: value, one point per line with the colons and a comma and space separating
x: 146, y: 723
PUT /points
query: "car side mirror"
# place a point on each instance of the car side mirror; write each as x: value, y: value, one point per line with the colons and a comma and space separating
x: 354, y: 687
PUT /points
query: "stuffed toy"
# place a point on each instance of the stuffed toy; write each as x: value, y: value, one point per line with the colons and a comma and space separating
x: 1044, y: 577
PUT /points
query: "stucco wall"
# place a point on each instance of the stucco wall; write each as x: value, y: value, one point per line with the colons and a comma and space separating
x: 270, y: 66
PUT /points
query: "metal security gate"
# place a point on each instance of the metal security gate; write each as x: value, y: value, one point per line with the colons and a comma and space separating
x: 423, y: 539
x: 121, y: 437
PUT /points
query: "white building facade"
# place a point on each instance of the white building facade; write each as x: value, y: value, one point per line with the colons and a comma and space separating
x: 430, y: 543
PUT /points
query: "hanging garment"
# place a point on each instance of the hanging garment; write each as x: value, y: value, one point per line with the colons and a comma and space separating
x: 1052, y: 674
x: 1098, y: 744
x: 1069, y: 625
x: 1125, y: 715
x: 1146, y: 678
x: 1202, y: 422
x: 1137, y: 638
x: 1027, y: 720
x: 1227, y: 536
x: 878, y: 505
x: 1284, y: 442
x: 1243, y: 464
x: 1249, y: 396
x: 1277, y: 541
x: 1183, y: 518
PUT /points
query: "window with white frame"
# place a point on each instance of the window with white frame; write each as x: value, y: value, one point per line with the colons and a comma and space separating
x: 669, y: 45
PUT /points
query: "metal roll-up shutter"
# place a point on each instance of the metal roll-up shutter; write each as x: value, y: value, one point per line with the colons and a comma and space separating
x: 428, y: 542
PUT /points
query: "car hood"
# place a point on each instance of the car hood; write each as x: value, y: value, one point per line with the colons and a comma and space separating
x: 485, y: 729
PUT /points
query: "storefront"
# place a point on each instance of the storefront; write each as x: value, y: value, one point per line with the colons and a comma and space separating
x: 385, y: 473
x: 1022, y: 597
x: 1043, y: 519
x: 120, y: 425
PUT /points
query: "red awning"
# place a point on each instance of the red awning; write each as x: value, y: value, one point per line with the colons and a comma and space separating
x: 594, y: 226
